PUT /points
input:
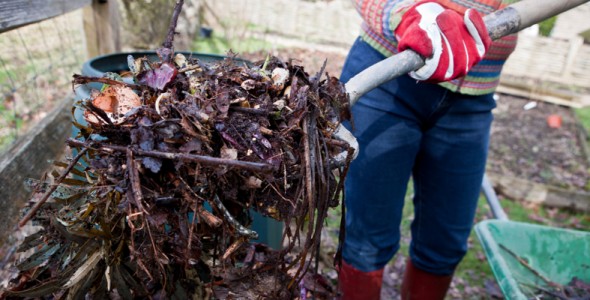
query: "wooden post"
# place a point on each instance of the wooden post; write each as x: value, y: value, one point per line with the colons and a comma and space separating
x: 575, y: 45
x: 102, y: 23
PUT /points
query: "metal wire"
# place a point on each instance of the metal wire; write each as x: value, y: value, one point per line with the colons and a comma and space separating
x: 33, y: 78
x: 7, y: 95
x: 36, y: 65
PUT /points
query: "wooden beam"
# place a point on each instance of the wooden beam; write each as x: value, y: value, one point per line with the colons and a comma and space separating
x: 29, y: 158
x: 102, y: 24
x: 527, y: 191
x: 17, y: 13
x: 541, y: 91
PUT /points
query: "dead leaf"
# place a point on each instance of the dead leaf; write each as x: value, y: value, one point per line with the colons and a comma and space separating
x: 253, y: 183
x: 229, y: 153
x: 116, y: 101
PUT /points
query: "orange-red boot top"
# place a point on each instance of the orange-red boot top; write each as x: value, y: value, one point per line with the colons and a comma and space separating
x: 358, y: 285
x: 421, y: 285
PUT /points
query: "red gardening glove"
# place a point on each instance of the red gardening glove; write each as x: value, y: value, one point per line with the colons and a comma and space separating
x: 451, y: 43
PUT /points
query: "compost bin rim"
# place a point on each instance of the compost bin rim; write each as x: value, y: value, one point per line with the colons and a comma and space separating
x: 90, y: 64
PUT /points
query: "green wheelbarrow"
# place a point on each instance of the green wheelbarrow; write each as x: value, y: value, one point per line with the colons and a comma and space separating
x: 530, y: 260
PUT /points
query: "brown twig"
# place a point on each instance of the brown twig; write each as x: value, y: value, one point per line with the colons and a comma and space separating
x: 81, y: 79
x: 61, y: 178
x: 173, y: 23
x: 135, y: 187
x: 310, y: 195
x: 208, y: 217
x: 254, y: 111
x: 339, y: 189
x: 190, y: 68
x: 321, y: 197
x: 546, y: 291
x: 156, y: 252
x: 206, y: 160
x: 134, y: 182
x: 523, y: 262
x: 191, y: 229
x: 233, y: 248
x: 168, y: 45
x: 98, y: 113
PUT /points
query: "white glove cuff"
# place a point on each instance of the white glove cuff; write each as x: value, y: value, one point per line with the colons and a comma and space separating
x: 481, y: 49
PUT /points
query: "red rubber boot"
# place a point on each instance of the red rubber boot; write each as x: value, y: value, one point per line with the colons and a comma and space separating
x: 421, y: 285
x: 359, y: 285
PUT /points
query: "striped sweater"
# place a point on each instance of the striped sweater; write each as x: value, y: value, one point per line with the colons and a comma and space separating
x: 381, y: 18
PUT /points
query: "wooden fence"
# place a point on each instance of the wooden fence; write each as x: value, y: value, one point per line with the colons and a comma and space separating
x: 562, y: 61
x: 333, y: 22
x: 30, y: 155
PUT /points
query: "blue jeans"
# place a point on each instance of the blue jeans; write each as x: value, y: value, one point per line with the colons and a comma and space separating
x: 409, y: 129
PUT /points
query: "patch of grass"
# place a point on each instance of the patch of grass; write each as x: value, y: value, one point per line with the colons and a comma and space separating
x: 560, y: 218
x: 255, y: 27
x: 9, y: 126
x: 11, y: 121
x: 585, y: 35
x: 407, y: 217
x: 220, y: 45
x: 584, y: 117
x: 546, y: 26
x: 332, y: 221
x: 474, y: 269
x: 18, y: 73
x: 6, y: 76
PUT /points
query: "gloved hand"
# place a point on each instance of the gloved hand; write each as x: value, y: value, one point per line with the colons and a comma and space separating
x: 451, y: 43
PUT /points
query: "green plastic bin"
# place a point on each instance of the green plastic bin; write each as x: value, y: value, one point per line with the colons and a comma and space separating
x: 270, y: 231
x: 558, y: 254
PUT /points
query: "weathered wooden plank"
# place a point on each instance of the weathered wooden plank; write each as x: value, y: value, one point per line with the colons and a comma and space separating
x: 535, y: 90
x: 539, y: 194
x: 16, y: 13
x: 561, y: 61
x: 29, y: 158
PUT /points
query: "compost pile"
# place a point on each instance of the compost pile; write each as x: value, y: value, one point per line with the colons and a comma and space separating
x: 157, y: 200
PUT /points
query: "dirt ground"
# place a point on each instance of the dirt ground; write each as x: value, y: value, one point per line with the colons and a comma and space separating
x: 523, y: 145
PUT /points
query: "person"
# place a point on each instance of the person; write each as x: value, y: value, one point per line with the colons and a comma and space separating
x: 432, y: 125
